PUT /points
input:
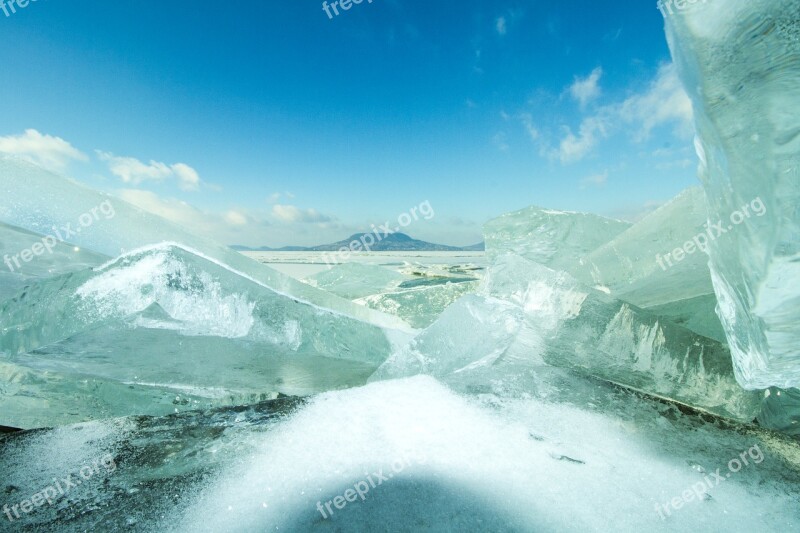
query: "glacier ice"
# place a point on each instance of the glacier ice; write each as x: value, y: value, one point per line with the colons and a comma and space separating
x: 738, y: 61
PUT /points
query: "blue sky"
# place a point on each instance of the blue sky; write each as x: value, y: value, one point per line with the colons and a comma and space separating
x: 269, y: 123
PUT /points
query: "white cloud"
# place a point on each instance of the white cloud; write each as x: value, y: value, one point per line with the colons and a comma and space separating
x: 188, y: 178
x: 527, y: 122
x: 132, y: 171
x: 229, y: 227
x: 595, y: 180
x: 575, y: 147
x: 235, y: 218
x: 275, y: 197
x: 174, y: 210
x: 584, y: 90
x: 500, y: 25
x: 499, y: 140
x: 53, y: 153
x: 663, y: 102
x: 292, y: 214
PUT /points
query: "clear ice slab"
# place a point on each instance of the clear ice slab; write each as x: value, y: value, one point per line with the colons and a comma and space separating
x: 648, y: 265
x: 738, y: 61
x: 60, y: 258
x: 556, y: 239
x: 169, y: 318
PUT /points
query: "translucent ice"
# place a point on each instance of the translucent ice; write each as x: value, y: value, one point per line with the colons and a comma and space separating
x: 556, y: 239
x: 738, y: 60
x: 528, y: 313
x: 356, y: 280
x: 648, y: 265
x: 60, y: 258
x: 170, y: 318
x: 420, y: 307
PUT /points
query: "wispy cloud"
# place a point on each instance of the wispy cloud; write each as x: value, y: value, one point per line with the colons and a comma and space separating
x: 134, y: 172
x: 530, y: 128
x: 575, y: 147
x: 595, y: 180
x: 294, y: 214
x: 275, y: 197
x: 500, y: 25
x: 236, y: 218
x: 228, y: 226
x: 663, y: 102
x: 587, y: 89
x: 500, y: 142
x: 52, y: 153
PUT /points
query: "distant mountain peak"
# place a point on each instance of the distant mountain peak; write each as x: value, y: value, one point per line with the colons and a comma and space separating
x: 393, y: 242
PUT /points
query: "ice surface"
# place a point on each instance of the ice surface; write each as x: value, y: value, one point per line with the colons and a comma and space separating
x: 37, y: 200
x: 420, y: 306
x: 738, y: 61
x: 556, y: 239
x: 451, y: 463
x: 169, y: 318
x: 640, y: 266
x: 417, y: 293
x: 527, y: 313
x: 356, y: 280
x: 138, y: 465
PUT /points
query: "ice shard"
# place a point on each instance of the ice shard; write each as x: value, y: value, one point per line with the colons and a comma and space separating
x: 556, y: 239
x: 739, y: 61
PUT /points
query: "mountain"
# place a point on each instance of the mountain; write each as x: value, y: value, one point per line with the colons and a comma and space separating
x: 394, y: 242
